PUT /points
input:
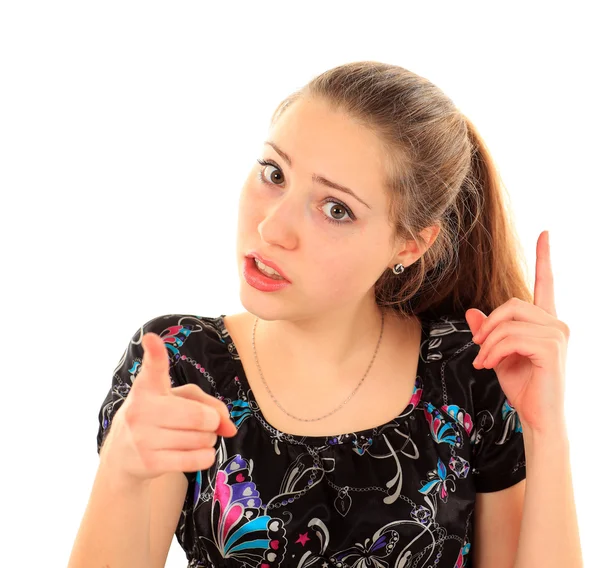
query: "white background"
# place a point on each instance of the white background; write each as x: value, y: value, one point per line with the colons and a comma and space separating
x: 126, y: 132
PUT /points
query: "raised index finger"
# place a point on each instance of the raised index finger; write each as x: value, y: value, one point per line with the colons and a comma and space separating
x: 543, y: 293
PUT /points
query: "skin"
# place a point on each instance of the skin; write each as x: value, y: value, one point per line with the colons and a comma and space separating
x: 312, y: 324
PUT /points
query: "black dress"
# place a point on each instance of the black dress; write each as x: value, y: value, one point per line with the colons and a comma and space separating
x: 401, y: 494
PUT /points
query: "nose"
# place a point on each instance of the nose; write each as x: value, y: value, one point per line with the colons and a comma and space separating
x: 279, y: 226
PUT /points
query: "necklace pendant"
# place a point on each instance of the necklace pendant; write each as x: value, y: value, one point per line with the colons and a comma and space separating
x: 343, y: 502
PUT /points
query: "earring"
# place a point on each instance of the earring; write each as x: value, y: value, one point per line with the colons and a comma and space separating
x: 398, y: 269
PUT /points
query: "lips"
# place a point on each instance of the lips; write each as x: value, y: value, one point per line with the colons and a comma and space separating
x: 255, y: 278
x: 269, y: 263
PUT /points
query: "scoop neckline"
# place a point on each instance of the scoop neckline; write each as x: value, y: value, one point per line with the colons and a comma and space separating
x: 358, y: 437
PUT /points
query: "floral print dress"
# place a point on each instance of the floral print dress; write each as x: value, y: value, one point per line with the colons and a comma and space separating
x: 398, y: 495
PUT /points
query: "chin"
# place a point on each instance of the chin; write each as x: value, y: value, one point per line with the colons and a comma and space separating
x: 263, y: 308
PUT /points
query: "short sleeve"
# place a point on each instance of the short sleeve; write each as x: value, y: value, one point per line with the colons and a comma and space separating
x: 130, y: 365
x: 497, y: 444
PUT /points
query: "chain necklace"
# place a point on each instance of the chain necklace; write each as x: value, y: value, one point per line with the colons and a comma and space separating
x: 330, y: 413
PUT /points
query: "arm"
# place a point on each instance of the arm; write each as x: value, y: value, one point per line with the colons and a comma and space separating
x: 498, y: 517
x: 129, y: 524
x: 116, y: 525
x: 549, y: 533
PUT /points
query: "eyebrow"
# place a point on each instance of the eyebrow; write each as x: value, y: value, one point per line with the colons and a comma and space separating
x: 318, y: 178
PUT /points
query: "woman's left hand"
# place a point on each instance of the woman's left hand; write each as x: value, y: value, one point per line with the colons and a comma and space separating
x: 526, y: 345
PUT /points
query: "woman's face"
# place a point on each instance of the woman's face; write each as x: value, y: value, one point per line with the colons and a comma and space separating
x: 331, y: 246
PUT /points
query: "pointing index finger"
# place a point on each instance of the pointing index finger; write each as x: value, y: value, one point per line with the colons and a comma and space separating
x: 543, y: 294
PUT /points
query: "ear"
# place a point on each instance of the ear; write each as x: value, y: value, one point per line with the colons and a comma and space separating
x: 403, y: 246
x: 475, y: 318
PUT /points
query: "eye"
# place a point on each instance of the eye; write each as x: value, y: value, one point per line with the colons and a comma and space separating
x: 262, y: 172
x: 340, y: 207
x: 338, y: 204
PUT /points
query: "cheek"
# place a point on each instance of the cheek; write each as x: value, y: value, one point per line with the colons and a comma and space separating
x: 339, y: 277
x: 244, y: 200
x: 249, y: 210
x: 253, y: 204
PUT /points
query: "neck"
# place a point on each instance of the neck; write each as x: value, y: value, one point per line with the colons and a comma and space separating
x: 335, y: 343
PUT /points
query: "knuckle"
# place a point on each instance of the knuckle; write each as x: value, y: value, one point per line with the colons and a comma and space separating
x: 132, y: 416
x: 558, y: 343
x: 136, y: 408
x: 210, y: 439
x: 149, y: 459
x: 209, y: 418
x: 207, y: 458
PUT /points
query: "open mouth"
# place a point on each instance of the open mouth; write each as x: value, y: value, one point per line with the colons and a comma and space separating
x: 260, y: 277
x: 267, y: 271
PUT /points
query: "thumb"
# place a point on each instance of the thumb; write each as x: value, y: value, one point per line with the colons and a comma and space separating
x: 154, y: 374
x: 193, y: 392
x: 475, y: 319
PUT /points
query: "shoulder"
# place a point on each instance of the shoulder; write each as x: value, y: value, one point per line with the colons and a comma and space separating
x: 184, y: 326
x: 449, y: 337
x: 186, y: 336
x: 202, y: 347
x: 474, y: 397
x: 449, y: 353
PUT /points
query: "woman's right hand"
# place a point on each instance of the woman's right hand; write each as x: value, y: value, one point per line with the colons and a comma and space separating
x: 162, y: 429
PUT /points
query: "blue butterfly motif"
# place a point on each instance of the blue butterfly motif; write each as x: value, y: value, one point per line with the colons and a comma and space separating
x: 241, y: 531
x: 461, y: 561
x: 173, y: 338
x: 442, y: 431
x: 438, y: 481
x: 460, y: 415
x: 239, y: 410
x: 359, y: 555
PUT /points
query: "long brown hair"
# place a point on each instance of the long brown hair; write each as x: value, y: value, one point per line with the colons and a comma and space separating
x: 439, y: 172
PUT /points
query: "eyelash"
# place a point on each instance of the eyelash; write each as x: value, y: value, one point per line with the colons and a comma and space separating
x: 330, y: 200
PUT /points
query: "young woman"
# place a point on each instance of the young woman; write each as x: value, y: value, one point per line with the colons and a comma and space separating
x: 378, y: 401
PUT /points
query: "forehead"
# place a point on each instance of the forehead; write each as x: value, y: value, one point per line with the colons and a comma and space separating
x: 330, y: 143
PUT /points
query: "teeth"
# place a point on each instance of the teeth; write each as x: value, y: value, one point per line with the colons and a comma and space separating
x: 267, y: 269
